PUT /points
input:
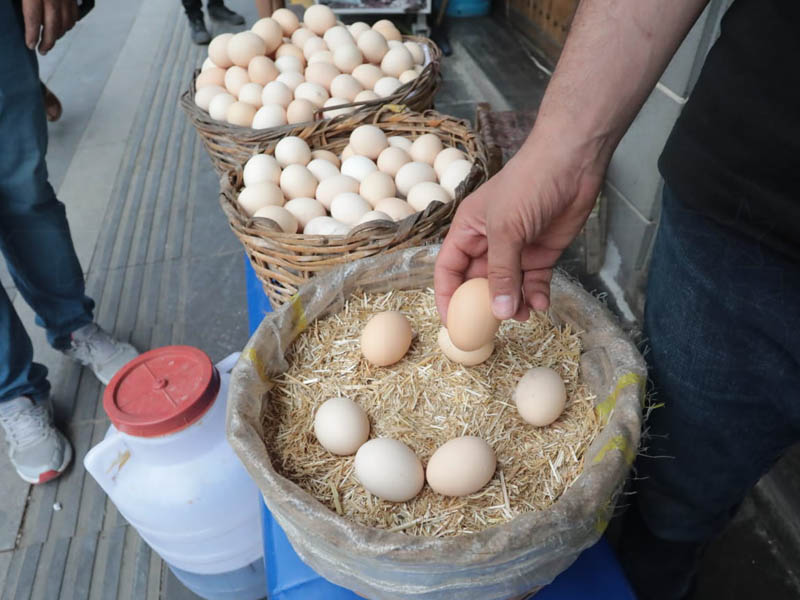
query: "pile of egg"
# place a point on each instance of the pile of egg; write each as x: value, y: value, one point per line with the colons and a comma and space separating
x: 375, y: 178
x: 282, y: 72
x: 390, y: 469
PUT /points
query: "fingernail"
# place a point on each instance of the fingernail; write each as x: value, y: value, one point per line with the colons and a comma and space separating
x: 503, y: 307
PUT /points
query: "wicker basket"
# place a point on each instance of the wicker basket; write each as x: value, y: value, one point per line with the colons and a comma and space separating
x: 285, y: 261
x: 231, y: 145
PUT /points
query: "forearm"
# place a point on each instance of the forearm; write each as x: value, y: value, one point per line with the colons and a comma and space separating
x: 613, y: 57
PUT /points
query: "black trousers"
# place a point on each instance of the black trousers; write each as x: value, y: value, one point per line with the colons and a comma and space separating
x: 195, y: 7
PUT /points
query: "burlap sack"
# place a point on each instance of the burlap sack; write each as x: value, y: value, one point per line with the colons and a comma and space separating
x: 502, y: 562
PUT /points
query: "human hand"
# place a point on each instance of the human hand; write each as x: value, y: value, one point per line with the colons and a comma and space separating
x: 514, y: 227
x: 46, y: 21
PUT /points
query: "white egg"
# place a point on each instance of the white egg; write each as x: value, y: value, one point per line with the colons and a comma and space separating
x: 326, y: 155
x: 260, y: 195
x: 376, y: 186
x: 291, y: 79
x: 219, y: 104
x: 425, y: 192
x: 540, y: 396
x: 444, y: 158
x: 333, y: 102
x: 322, y: 169
x: 301, y: 35
x: 345, y: 86
x: 218, y: 50
x: 287, y: 20
x: 366, y: 96
x: 396, y: 61
x: 398, y: 141
x: 389, y: 469
x: 426, y: 148
x: 396, y: 208
x: 331, y: 187
x: 208, y: 64
x: 305, y: 209
x: 348, y: 208
x: 325, y: 226
x: 456, y: 172
x: 323, y: 56
x: 374, y: 215
x: 260, y: 168
x: 407, y: 76
x: 357, y: 28
x: 292, y: 150
x: 205, y: 95
x: 251, y: 93
x: 367, y: 75
x: 358, y: 167
x: 298, y: 182
x: 386, y: 86
x: 213, y: 76
x: 337, y: 37
x: 347, y: 152
x: 276, y: 92
x: 341, y: 426
x: 314, y: 93
x: 417, y: 53
x: 410, y: 174
x: 368, y: 140
x: 391, y: 159
x: 271, y: 115
x: 235, y: 78
x: 289, y: 63
x: 314, y: 45
x: 347, y: 57
x: 300, y: 111
x: 284, y: 219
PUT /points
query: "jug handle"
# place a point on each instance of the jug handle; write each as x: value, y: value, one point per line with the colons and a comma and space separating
x: 105, y: 461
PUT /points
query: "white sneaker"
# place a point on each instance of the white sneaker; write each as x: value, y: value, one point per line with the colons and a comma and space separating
x: 94, y: 347
x: 38, y: 451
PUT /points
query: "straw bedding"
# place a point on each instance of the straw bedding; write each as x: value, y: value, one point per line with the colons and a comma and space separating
x: 424, y: 401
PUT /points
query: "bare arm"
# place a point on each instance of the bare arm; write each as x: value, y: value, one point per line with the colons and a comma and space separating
x: 514, y: 228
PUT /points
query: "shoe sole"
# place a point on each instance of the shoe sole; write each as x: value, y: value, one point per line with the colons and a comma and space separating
x: 51, y: 474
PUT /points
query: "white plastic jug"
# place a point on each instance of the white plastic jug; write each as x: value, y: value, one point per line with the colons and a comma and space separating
x: 167, y: 466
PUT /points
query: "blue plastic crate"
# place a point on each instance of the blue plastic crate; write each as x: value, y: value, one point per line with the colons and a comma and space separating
x: 596, y: 575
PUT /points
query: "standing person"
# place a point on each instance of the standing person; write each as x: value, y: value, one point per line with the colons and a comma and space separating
x: 36, y: 243
x: 216, y: 10
x: 267, y: 7
x: 723, y: 296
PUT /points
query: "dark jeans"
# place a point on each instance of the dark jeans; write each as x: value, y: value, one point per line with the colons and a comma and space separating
x: 195, y: 7
x: 34, y: 234
x: 723, y: 324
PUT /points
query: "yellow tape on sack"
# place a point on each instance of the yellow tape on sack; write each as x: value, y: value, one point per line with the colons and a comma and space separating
x: 618, y: 442
x: 254, y: 358
x: 298, y: 315
x: 607, y: 406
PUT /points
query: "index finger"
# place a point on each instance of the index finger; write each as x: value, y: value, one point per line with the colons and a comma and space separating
x: 51, y: 28
x: 32, y: 16
x: 459, y: 250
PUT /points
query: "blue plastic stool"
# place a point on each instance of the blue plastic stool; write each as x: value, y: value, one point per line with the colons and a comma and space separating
x: 596, y: 575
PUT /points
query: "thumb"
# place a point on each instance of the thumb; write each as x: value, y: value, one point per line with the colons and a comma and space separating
x: 504, y: 269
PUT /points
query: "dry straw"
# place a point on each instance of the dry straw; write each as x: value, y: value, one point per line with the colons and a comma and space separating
x: 424, y: 401
x: 285, y: 261
x: 229, y: 145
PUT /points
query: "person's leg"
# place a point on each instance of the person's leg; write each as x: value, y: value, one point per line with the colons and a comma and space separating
x: 34, y: 233
x: 219, y: 12
x: 721, y: 320
x: 197, y: 25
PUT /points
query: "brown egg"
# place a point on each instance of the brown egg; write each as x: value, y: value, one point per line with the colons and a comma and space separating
x: 262, y: 70
x: 386, y: 338
x: 347, y: 58
x: 319, y: 18
x: 321, y: 73
x: 243, y: 46
x: 372, y: 45
x: 271, y: 32
x: 212, y: 76
x: 327, y: 155
x: 290, y: 50
x: 396, y: 208
x: 367, y: 75
x: 235, y: 78
x: 287, y: 20
x: 376, y: 186
x: 396, y: 61
x: 461, y: 466
x: 240, y: 113
x: 282, y: 217
x: 345, y: 86
x: 391, y: 159
x: 366, y: 96
x: 218, y: 50
x: 300, y: 111
x: 468, y: 359
x: 470, y: 321
x: 387, y: 29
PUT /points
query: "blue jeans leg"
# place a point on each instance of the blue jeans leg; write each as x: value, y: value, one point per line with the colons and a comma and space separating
x: 722, y: 317
x: 34, y: 234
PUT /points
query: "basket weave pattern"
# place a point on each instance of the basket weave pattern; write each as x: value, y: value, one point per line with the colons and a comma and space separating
x: 285, y: 261
x: 231, y: 145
